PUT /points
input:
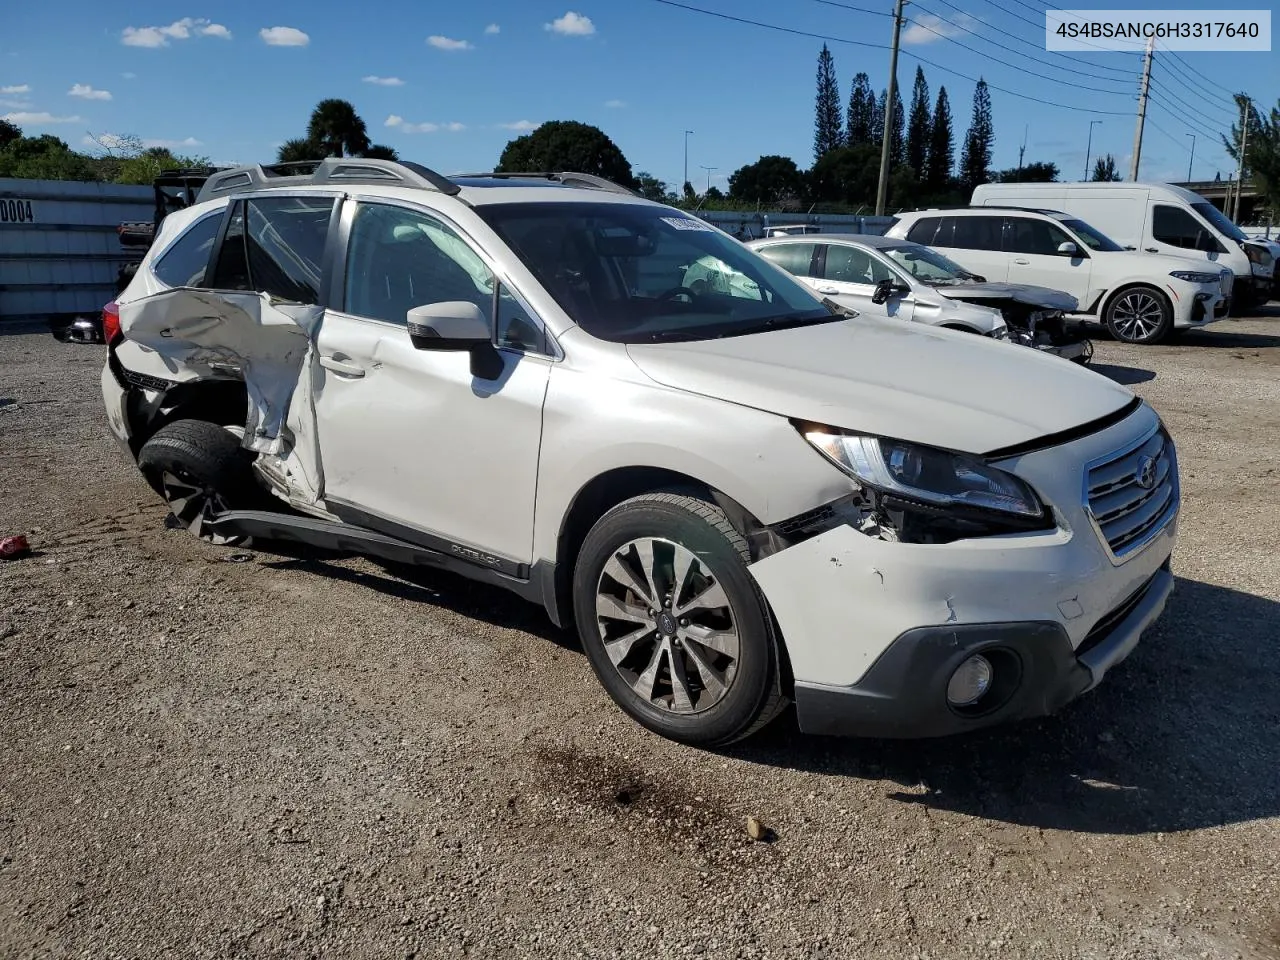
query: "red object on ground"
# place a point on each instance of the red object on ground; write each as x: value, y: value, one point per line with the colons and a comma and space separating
x: 13, y: 547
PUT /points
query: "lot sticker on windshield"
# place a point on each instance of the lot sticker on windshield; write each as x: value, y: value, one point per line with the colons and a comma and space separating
x: 686, y: 223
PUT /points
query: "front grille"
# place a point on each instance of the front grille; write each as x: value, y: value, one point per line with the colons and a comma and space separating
x: 1227, y: 282
x: 1128, y: 513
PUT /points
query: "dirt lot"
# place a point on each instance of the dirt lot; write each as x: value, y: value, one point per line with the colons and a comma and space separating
x: 295, y: 757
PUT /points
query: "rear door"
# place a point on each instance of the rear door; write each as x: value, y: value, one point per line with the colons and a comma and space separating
x: 1032, y: 244
x: 974, y: 242
x: 798, y: 258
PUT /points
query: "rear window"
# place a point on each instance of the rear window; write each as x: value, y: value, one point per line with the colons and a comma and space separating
x: 184, y: 263
x: 795, y: 258
x: 924, y: 230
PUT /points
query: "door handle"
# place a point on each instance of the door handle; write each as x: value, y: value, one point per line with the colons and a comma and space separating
x: 829, y: 291
x: 341, y: 366
x: 1152, y: 249
x: 1021, y: 261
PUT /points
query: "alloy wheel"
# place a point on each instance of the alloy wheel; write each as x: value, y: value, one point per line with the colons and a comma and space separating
x: 1137, y: 315
x: 193, y: 504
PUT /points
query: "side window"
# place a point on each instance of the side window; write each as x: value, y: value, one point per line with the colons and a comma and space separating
x: 231, y: 272
x: 1175, y: 226
x: 516, y: 327
x: 851, y: 265
x: 398, y: 259
x: 284, y: 243
x: 185, y: 262
x: 1025, y: 235
x: 977, y: 233
x: 925, y: 231
x: 795, y: 258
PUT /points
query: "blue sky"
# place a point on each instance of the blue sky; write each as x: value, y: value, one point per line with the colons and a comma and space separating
x: 448, y: 84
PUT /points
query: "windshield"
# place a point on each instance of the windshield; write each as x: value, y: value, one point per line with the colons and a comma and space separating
x: 635, y: 273
x: 927, y: 265
x: 1219, y: 220
x: 1091, y: 237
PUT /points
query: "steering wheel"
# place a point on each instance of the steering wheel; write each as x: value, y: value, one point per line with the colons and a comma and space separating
x: 676, y: 292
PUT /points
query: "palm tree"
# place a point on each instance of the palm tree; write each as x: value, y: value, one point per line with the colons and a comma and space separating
x: 299, y: 150
x: 379, y: 151
x: 337, y: 129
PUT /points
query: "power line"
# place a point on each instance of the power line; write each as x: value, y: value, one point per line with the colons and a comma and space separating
x: 882, y: 46
x: 849, y: 6
x: 950, y: 39
x: 1194, y: 111
x: 1191, y: 85
x: 1186, y: 121
x: 1039, y: 25
x: 1219, y: 154
x: 1230, y: 93
x: 1036, y: 46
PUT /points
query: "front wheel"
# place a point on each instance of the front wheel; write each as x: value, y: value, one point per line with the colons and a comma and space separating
x: 672, y: 622
x: 1140, y: 315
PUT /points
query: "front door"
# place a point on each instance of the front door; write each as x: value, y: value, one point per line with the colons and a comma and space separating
x: 1034, y: 259
x: 410, y: 440
x: 850, y: 275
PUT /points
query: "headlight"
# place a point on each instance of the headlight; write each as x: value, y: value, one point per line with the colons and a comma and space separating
x: 926, y: 475
x: 1192, y: 276
x: 1256, y: 254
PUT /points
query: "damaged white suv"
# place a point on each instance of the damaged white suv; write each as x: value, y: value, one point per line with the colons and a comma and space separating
x: 741, y: 497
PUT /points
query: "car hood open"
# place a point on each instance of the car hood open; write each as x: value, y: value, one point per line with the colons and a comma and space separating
x: 988, y: 293
x: 939, y: 387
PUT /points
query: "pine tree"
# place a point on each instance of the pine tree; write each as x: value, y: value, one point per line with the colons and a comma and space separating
x: 897, y: 138
x: 862, y: 109
x: 920, y: 126
x: 877, y: 121
x: 941, y: 145
x: 827, y: 128
x: 975, y: 159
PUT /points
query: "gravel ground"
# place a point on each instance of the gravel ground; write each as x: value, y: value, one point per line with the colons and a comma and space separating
x: 295, y: 757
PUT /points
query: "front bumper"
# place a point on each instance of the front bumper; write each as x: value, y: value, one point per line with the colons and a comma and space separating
x: 903, y: 695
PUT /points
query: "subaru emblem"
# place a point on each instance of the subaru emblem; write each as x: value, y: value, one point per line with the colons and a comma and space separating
x: 1145, y: 475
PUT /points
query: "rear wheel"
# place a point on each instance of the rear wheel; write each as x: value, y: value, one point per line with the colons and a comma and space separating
x: 672, y: 622
x: 1141, y: 315
x: 200, y: 470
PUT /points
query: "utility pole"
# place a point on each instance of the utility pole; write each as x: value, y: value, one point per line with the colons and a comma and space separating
x: 1088, y: 150
x: 1142, y: 108
x: 1244, y: 143
x: 882, y: 191
x: 1022, y: 149
x: 1193, y: 155
x: 708, y: 169
x: 686, y: 159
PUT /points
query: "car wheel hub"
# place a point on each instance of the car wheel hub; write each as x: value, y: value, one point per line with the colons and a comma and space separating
x: 667, y: 625
x: 193, y: 504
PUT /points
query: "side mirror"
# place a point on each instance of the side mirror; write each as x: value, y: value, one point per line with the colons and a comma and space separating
x: 1068, y: 249
x: 456, y: 325
x: 883, y: 291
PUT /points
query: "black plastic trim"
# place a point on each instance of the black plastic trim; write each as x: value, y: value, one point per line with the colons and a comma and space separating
x: 1065, y: 436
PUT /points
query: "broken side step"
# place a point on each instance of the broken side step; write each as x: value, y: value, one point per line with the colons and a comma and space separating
x: 326, y: 534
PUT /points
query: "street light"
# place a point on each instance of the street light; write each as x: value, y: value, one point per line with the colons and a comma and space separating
x: 708, y: 169
x: 1089, y: 149
x: 1193, y: 155
x: 686, y: 158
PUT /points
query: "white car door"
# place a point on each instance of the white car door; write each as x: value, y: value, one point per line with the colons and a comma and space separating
x: 849, y: 276
x: 1035, y: 259
x: 796, y: 257
x: 412, y: 442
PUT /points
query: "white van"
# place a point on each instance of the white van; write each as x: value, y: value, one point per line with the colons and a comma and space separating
x: 1155, y: 218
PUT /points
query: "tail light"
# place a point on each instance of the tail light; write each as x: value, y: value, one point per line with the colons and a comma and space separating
x: 111, y: 323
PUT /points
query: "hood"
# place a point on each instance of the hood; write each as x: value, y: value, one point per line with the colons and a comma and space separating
x: 1041, y: 297
x: 1146, y: 262
x: 939, y: 387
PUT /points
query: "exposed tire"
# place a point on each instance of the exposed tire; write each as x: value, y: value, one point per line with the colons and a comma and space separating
x: 673, y: 623
x: 1141, y: 315
x: 200, y: 469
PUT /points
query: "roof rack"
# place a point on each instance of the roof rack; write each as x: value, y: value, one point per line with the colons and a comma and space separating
x: 566, y: 177
x: 332, y: 170
x: 1014, y: 206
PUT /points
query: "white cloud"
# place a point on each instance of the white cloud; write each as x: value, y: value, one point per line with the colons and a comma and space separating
x: 446, y: 43
x: 927, y: 28
x: 384, y: 81
x: 86, y: 92
x: 615, y: 104
x: 571, y: 25
x: 40, y: 118
x: 491, y: 29
x: 14, y: 104
x: 520, y: 125
x: 284, y: 37
x: 174, y: 144
x: 178, y: 30
x: 17, y: 88
x: 397, y: 122
x: 129, y: 75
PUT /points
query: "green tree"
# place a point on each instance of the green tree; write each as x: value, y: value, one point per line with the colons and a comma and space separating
x: 770, y: 180
x: 380, y: 151
x: 897, y: 140
x: 941, y: 157
x: 827, y: 125
x: 862, y: 112
x: 45, y: 158
x: 650, y: 187
x: 1104, y: 169
x: 1038, y: 172
x: 150, y: 163
x: 919, y: 127
x: 877, y: 121
x: 975, y: 159
x: 1262, y: 150
x: 299, y: 150
x: 847, y: 175
x: 567, y: 145
x: 9, y: 132
x: 337, y: 129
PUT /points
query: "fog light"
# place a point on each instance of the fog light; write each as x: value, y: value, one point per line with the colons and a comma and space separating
x: 970, y: 681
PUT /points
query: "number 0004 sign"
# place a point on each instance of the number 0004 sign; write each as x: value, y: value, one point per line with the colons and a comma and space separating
x: 16, y: 211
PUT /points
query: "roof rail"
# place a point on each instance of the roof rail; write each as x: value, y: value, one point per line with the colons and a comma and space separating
x: 1014, y: 206
x: 566, y: 177
x: 331, y: 170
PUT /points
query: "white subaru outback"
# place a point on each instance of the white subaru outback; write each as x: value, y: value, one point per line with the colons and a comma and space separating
x: 740, y: 497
